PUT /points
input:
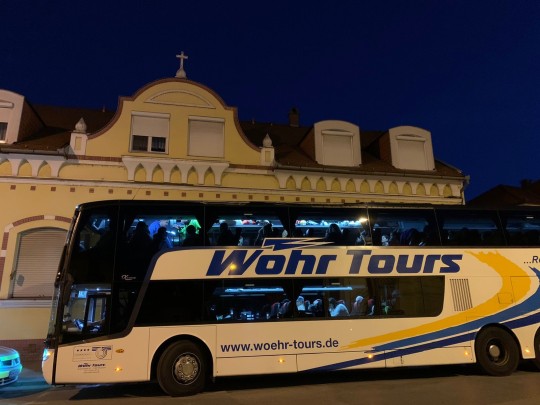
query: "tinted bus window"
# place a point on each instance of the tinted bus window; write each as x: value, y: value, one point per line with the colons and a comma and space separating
x: 267, y: 300
x: 522, y: 228
x: 231, y: 225
x: 346, y: 227
x: 248, y: 300
x: 403, y: 227
x: 410, y: 296
x: 93, y: 250
x: 172, y: 302
x: 469, y: 228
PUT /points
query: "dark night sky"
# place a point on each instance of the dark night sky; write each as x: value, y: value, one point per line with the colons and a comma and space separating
x: 466, y: 70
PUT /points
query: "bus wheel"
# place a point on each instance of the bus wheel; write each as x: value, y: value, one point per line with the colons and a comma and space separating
x: 536, y: 360
x: 496, y: 352
x: 181, y: 369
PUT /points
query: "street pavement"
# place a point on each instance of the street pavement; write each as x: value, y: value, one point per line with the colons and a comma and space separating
x: 445, y: 385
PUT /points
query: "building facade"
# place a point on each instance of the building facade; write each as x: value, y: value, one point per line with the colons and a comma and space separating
x: 176, y: 139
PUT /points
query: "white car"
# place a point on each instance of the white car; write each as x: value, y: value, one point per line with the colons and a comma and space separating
x: 10, y: 365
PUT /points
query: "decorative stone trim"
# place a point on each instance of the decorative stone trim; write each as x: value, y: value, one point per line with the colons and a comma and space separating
x: 55, y: 162
x: 168, y: 165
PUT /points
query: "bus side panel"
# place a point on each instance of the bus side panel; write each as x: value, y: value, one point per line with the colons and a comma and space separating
x: 106, y: 361
x: 338, y: 361
x: 255, y: 365
x: 525, y: 335
x: 444, y: 355
x: 260, y: 348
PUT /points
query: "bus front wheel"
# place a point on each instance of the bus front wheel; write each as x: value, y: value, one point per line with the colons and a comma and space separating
x: 496, y: 352
x: 181, y: 369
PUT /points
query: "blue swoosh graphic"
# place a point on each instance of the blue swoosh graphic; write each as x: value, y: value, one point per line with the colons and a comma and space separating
x: 530, y: 304
x: 449, y: 336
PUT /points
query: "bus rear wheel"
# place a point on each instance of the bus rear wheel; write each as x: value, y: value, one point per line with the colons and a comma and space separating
x: 536, y: 360
x: 181, y: 369
x: 496, y: 352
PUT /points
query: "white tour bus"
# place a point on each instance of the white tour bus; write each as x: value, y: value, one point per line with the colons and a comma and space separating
x: 186, y: 292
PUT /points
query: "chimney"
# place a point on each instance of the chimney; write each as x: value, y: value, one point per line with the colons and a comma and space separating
x: 294, y: 117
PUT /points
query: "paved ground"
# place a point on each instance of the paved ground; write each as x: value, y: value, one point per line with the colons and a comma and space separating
x: 446, y: 385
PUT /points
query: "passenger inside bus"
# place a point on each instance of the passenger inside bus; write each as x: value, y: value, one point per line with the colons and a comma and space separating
x: 334, y: 235
x: 226, y: 237
x: 359, y: 306
x: 161, y: 240
x: 316, y: 308
x: 265, y: 232
x: 154, y: 226
x: 337, y: 308
x: 301, y: 306
x: 139, y: 251
x: 192, y: 238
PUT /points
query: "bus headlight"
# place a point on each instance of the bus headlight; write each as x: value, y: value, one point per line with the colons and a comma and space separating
x: 46, y: 354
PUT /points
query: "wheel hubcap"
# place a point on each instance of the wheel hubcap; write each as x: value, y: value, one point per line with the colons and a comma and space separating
x: 186, y: 368
x: 494, y: 351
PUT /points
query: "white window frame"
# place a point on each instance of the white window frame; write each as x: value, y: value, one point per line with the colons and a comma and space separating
x: 153, y: 127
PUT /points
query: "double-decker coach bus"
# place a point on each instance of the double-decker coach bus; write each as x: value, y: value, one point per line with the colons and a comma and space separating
x: 186, y: 292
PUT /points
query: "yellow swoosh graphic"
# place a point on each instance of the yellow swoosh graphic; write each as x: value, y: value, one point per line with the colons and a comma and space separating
x: 504, y: 267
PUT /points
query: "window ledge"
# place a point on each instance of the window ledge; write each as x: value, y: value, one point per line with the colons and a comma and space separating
x: 28, y: 303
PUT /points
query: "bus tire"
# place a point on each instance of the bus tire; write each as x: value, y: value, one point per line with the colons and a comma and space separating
x: 496, y: 351
x: 181, y: 369
x: 536, y: 360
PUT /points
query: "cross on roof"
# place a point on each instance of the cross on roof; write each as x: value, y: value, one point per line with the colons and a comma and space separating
x: 181, y: 73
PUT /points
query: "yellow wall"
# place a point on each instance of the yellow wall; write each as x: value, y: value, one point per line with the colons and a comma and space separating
x: 180, y: 99
x: 24, y: 323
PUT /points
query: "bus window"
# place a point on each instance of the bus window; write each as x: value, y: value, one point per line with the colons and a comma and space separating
x: 410, y: 296
x: 336, y: 297
x: 148, y: 231
x: 403, y: 227
x: 87, y: 311
x: 521, y: 228
x: 244, y: 231
x: 174, y: 224
x: 469, y: 228
x: 339, y: 227
x: 93, y: 251
x: 253, y: 300
x: 172, y: 302
x: 310, y: 300
x: 247, y: 226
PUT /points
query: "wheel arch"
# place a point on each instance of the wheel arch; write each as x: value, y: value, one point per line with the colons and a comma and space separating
x: 536, y: 359
x: 501, y: 327
x: 199, y: 342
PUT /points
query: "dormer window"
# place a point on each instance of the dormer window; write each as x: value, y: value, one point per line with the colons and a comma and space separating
x: 337, y: 143
x: 411, y: 148
x: 149, y: 132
